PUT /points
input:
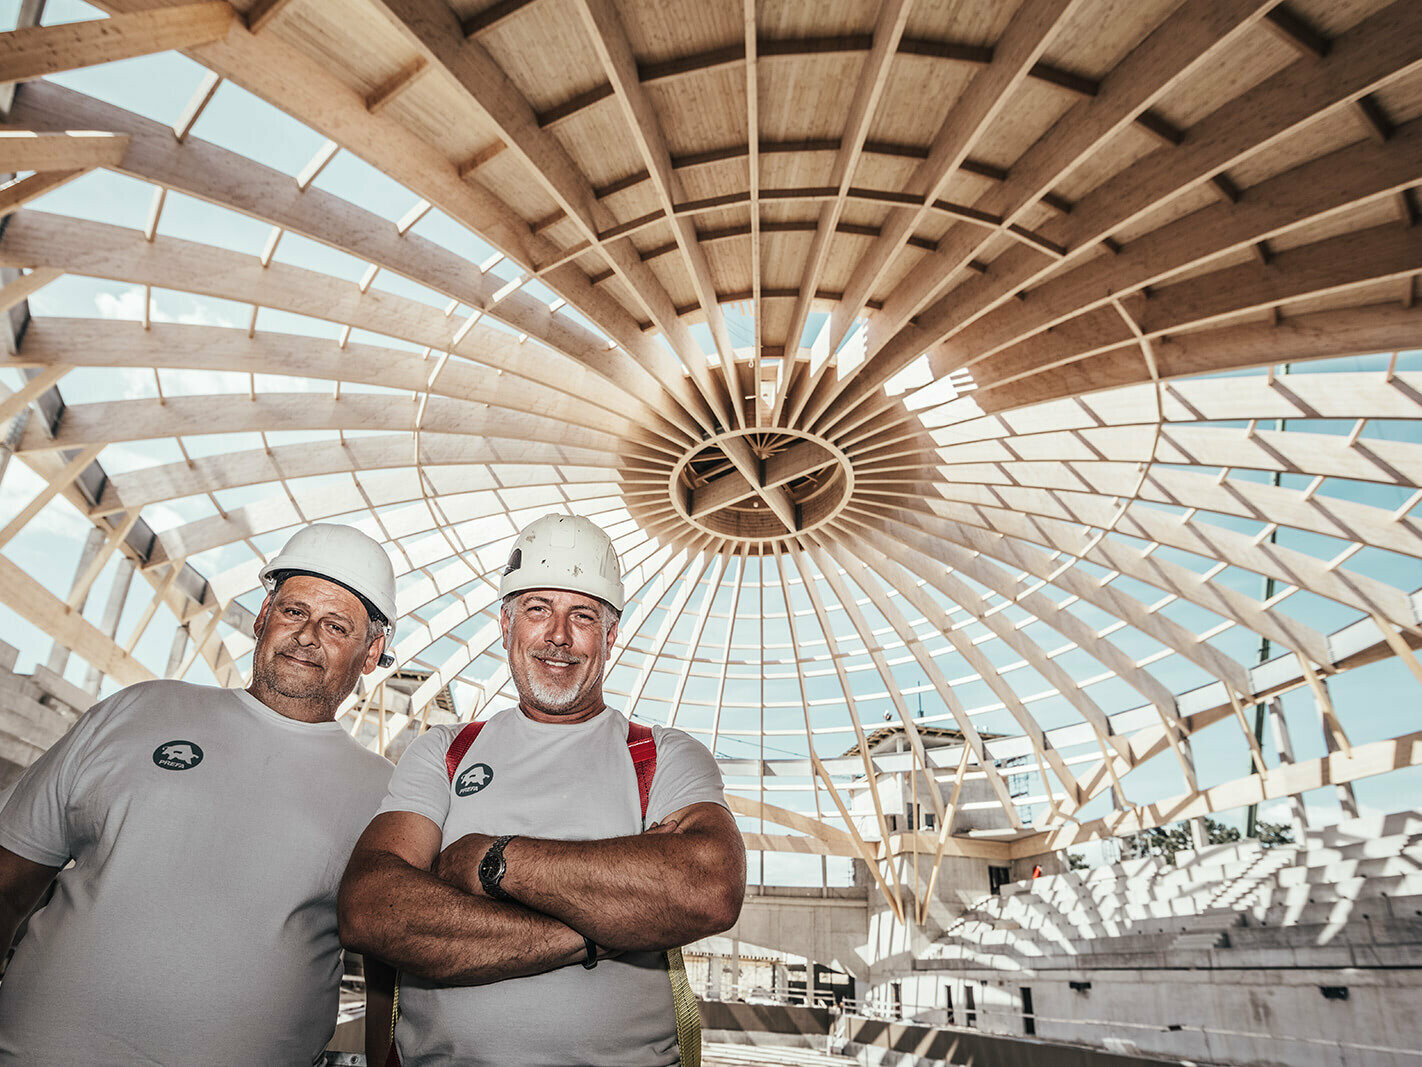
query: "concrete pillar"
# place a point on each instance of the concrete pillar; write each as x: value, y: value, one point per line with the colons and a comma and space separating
x: 735, y: 990
x: 118, y: 597
x: 58, y: 654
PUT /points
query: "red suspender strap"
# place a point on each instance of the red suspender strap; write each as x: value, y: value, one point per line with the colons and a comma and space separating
x: 460, y: 745
x: 643, y: 751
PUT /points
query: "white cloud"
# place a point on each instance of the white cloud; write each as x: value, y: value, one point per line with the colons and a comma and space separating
x: 128, y: 306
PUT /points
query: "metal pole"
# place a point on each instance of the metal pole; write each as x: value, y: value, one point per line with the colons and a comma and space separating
x: 1251, y: 820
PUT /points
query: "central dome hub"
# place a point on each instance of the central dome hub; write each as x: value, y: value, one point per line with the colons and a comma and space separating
x: 761, y: 484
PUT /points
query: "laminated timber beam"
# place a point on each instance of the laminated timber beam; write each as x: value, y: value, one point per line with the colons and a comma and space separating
x: 50, y: 615
x: 1022, y: 44
x: 107, y: 422
x: 1337, y: 768
x: 211, y: 173
x: 37, y: 51
x: 609, y: 39
x: 1362, y: 330
x: 40, y: 239
x: 96, y: 342
x: 66, y: 150
x: 431, y: 27
x: 313, y: 95
x: 172, y: 481
x: 1381, y: 48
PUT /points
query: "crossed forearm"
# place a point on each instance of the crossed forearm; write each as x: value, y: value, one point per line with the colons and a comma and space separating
x: 647, y: 892
x: 428, y: 927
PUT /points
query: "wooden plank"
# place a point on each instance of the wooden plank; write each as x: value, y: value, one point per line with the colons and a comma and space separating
x: 1022, y: 44
x: 36, y: 51
x: 610, y: 41
x: 47, y: 613
x: 873, y: 76
x: 71, y: 150
x: 16, y: 194
x: 1338, y: 768
x: 25, y: 286
x: 211, y: 173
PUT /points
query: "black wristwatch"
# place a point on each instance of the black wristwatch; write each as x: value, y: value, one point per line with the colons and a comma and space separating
x: 589, y: 960
x: 492, y: 868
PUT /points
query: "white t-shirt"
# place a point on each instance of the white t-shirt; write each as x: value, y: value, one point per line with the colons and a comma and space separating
x: 198, y: 922
x: 561, y: 782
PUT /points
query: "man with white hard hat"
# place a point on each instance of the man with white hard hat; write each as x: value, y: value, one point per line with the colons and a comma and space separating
x: 207, y: 830
x: 532, y: 875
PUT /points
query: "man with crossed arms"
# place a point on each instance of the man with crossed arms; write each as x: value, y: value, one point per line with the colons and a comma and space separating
x: 488, y: 930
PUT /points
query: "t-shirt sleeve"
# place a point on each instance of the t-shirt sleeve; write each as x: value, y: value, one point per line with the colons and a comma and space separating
x: 35, y: 821
x: 420, y: 783
x: 686, y: 774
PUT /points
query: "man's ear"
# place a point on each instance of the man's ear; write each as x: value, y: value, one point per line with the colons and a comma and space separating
x: 372, y: 654
x: 611, y: 636
x: 260, y: 622
x: 504, y: 626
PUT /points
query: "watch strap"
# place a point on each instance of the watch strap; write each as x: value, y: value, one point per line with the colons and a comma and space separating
x: 590, y: 961
x: 492, y: 868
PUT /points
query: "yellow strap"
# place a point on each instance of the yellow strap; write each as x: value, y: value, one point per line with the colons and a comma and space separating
x: 688, y: 1015
x: 394, y: 1011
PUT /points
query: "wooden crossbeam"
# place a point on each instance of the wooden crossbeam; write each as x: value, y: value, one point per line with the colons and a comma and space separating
x: 37, y: 51
x: 70, y: 151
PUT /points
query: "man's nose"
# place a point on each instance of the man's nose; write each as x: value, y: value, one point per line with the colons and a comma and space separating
x: 558, y: 631
x: 308, y: 633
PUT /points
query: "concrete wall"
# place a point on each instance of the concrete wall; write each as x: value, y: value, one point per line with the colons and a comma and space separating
x: 1307, y: 956
x: 35, y: 712
x: 827, y: 926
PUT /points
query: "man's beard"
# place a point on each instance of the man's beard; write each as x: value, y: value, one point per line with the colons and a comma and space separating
x: 290, y: 682
x: 550, y: 696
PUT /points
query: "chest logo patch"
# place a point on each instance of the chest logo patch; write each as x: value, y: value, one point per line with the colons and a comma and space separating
x: 473, y: 778
x: 178, y: 755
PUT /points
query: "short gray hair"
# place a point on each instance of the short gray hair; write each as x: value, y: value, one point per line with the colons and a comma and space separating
x: 610, y: 615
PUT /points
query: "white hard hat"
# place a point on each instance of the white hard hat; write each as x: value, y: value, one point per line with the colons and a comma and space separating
x: 564, y: 552
x: 344, y: 555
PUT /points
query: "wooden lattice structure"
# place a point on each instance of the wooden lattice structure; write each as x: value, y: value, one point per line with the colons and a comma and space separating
x: 899, y: 344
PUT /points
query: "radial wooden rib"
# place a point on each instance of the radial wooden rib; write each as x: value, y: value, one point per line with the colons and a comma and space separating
x: 151, y: 485
x: 987, y: 561
x: 59, y: 150
x: 302, y: 87
x: 847, y: 602
x: 1013, y: 56
x: 888, y: 29
x: 77, y: 342
x: 36, y: 51
x: 609, y: 39
x: 1179, y: 46
x: 432, y: 27
x: 872, y: 586
x: 204, y: 170
x: 894, y: 894
x: 37, y: 239
x: 1336, y: 182
x: 900, y: 567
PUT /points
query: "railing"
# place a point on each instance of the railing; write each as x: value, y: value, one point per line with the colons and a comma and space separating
x: 1014, y: 1018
